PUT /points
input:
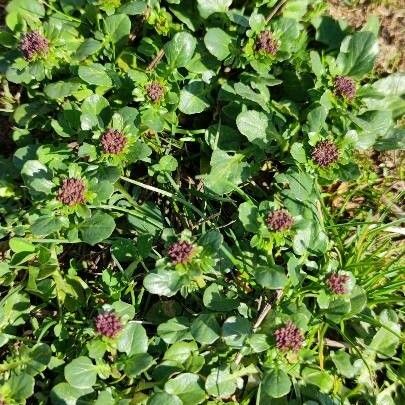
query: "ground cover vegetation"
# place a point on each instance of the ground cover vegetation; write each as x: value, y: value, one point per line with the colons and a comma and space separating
x: 190, y: 213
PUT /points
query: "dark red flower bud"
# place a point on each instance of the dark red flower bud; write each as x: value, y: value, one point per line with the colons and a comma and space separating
x: 113, y: 141
x: 71, y: 192
x: 266, y: 43
x: 279, y: 220
x: 180, y: 252
x: 345, y: 87
x: 325, y: 153
x: 155, y: 91
x: 32, y: 44
x: 337, y: 283
x: 289, y: 337
x: 108, y: 324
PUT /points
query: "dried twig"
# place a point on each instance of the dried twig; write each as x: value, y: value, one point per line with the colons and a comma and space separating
x: 275, y: 10
x: 156, y: 60
x: 260, y: 319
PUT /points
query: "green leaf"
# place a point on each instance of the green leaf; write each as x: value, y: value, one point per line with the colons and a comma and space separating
x: 248, y: 215
x: 46, y: 225
x: 341, y: 359
x: 87, y: 48
x: 21, y: 387
x: 163, y: 282
x: 134, y: 7
x: 180, y: 351
x: 392, y: 85
x: 180, y: 50
x: 65, y: 394
x: 227, y: 172
x: 316, y: 118
x: 125, y: 311
x: 205, y: 329
x: 187, y: 387
x: 220, y: 383
x: 95, y: 74
x: 235, y: 330
x: 37, y: 177
x: 357, y: 54
x: 276, y: 383
x: 193, y: 98
x: 338, y: 309
x: 254, y: 125
x: 117, y: 27
x: 163, y: 398
x: 174, y: 330
x: 94, y: 112
x: 208, y: 7
x: 384, y: 342
x: 137, y: 364
x: 133, y: 339
x: 270, y: 277
x: 298, y: 152
x: 81, y: 373
x: 60, y: 90
x: 215, y: 299
x: 358, y: 300
x: 317, y: 377
x: 24, y: 10
x: 97, y: 228
x: 104, y: 398
x: 218, y: 43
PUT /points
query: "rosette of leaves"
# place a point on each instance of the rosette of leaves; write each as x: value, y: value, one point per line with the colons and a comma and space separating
x: 269, y: 43
x: 187, y: 270
x: 118, y: 142
x: 157, y: 100
x: 68, y: 201
x: 272, y: 225
x: 41, y: 48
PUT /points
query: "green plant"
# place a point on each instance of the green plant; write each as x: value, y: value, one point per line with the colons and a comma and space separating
x: 166, y: 233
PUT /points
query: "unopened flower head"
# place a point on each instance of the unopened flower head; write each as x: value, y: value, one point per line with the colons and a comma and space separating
x: 279, y: 220
x: 325, y: 153
x: 108, y: 324
x: 289, y: 337
x: 155, y: 91
x: 345, y: 87
x: 113, y: 141
x: 33, y: 44
x: 180, y: 252
x: 338, y: 283
x: 71, y: 192
x: 265, y: 42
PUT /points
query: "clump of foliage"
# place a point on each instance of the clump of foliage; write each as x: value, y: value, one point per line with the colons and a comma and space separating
x: 165, y: 230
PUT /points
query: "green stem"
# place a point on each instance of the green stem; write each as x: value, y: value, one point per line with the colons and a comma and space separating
x: 134, y: 213
x: 165, y: 193
x: 68, y: 17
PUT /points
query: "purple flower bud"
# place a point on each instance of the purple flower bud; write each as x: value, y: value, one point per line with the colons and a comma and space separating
x: 345, y: 87
x: 113, y: 141
x: 266, y: 43
x: 155, y: 91
x: 279, y: 220
x: 180, y: 252
x: 325, y: 153
x: 337, y: 283
x: 33, y: 44
x: 71, y: 192
x: 289, y: 337
x: 108, y: 324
